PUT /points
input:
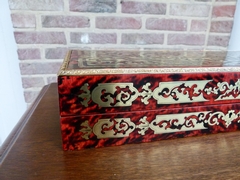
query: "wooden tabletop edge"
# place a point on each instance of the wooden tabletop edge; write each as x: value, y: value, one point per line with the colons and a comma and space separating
x: 12, y: 137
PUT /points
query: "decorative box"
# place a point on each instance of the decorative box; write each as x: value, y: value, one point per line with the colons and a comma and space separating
x: 115, y: 97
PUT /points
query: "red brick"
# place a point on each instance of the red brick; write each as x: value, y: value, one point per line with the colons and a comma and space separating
x: 133, y: 38
x: 199, y: 25
x: 40, y: 37
x: 36, y: 5
x: 186, y: 39
x: 223, y: 11
x: 192, y: 10
x: 55, y: 53
x: 97, y: 6
x: 30, y: 96
x: 30, y: 82
x: 107, y: 22
x: 65, y: 21
x: 218, y: 40
x: 166, y: 24
x: 143, y: 7
x: 221, y: 26
x: 24, y: 54
x: 23, y: 20
x: 40, y: 68
x: 93, y: 38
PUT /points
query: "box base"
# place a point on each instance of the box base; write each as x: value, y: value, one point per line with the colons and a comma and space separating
x: 94, y: 131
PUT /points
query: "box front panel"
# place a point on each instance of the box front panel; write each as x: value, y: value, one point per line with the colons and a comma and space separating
x: 100, y: 130
x: 94, y: 94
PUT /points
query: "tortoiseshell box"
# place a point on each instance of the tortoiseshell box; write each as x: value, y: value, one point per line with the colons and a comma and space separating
x: 114, y: 97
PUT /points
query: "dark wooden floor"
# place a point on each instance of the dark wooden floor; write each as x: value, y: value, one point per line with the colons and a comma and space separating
x: 36, y: 153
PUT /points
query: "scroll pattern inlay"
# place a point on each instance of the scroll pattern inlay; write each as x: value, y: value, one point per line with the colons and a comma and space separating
x: 168, y: 123
x: 124, y: 94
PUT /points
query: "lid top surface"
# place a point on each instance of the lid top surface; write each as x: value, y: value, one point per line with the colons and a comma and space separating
x: 112, y: 61
x: 86, y: 59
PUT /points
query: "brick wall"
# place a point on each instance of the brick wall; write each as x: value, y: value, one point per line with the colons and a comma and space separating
x: 45, y: 29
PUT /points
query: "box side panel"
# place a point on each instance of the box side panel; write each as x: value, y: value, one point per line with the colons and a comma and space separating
x: 95, y: 94
x: 94, y: 131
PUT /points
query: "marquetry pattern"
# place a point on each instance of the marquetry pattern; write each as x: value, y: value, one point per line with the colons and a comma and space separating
x: 167, y: 123
x: 123, y: 94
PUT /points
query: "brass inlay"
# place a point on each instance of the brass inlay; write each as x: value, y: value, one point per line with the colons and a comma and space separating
x: 167, y: 123
x: 143, y: 126
x: 86, y: 130
x: 114, y: 94
x: 230, y: 91
x: 113, y: 128
x: 180, y: 92
x: 146, y: 93
x: 124, y: 94
x: 85, y: 95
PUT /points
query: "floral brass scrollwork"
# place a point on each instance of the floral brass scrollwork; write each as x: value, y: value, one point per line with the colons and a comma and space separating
x: 124, y: 94
x: 86, y: 130
x: 113, y: 128
x: 85, y: 95
x: 114, y: 94
x: 167, y: 123
x: 227, y: 91
x: 180, y: 92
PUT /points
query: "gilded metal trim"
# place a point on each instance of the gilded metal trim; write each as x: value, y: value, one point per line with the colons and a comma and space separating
x: 63, y: 69
x: 83, y: 72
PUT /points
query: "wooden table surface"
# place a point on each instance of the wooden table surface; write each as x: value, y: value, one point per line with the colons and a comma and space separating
x: 33, y: 151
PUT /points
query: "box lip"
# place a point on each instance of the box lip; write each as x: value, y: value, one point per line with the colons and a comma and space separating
x: 63, y: 71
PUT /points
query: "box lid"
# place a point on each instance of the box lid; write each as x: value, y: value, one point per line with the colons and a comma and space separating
x: 111, y: 81
x: 83, y: 62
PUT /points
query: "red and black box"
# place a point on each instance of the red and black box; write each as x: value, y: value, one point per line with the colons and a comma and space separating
x: 115, y: 97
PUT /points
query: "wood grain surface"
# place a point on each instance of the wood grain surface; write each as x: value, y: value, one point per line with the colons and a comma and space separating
x: 37, y: 154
